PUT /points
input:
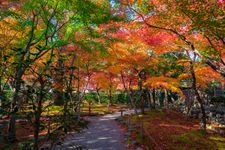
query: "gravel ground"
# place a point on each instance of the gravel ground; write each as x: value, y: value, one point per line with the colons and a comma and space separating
x: 103, y: 133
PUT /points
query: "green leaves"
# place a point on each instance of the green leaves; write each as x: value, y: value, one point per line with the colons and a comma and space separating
x: 91, y: 45
x: 25, y: 23
x: 8, y: 13
x: 91, y: 12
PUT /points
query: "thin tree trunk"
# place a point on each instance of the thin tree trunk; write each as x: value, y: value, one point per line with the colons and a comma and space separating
x: 141, y: 96
x: 166, y: 99
x: 99, y: 98
x: 37, y: 119
x: 129, y: 93
x: 199, y: 99
x: 14, y: 109
x: 110, y: 98
x: 153, y: 98
x: 78, y: 93
x: 132, y: 101
x: 65, y: 113
x: 149, y: 98
x: 142, y: 105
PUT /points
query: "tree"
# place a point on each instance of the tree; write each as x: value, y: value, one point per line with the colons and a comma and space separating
x: 38, y: 86
x: 44, y: 26
x: 155, y: 16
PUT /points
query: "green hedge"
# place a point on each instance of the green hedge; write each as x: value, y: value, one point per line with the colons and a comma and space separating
x: 104, y: 97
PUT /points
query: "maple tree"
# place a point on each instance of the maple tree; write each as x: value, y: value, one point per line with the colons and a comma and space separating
x: 186, y: 32
x: 145, y: 49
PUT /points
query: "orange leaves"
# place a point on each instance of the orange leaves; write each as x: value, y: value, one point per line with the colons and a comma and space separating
x: 115, y: 69
x: 101, y: 79
x: 183, y: 62
x: 131, y: 50
x: 205, y: 75
x: 127, y: 2
x: 105, y: 81
x: 184, y: 76
x: 164, y: 83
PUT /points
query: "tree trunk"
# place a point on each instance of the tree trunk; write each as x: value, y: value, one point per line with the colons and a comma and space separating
x: 129, y: 93
x: 166, y: 99
x: 153, y: 98
x: 132, y: 101
x: 12, y: 127
x: 142, y: 98
x: 199, y: 99
x: 37, y: 120
x: 59, y: 81
x: 149, y: 98
x: 99, y: 98
x: 110, y: 97
x: 14, y: 109
x: 142, y: 105
x: 65, y: 113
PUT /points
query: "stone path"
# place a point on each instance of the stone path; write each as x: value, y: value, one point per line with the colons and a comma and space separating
x: 103, y: 133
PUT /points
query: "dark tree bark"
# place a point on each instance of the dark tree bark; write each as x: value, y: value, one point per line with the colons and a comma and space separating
x: 198, y: 97
x: 14, y: 108
x: 153, y: 98
x: 98, y: 95
x: 58, y: 79
x: 110, y: 97
x: 37, y: 117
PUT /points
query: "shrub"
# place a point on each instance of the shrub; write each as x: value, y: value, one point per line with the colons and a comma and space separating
x: 218, y: 100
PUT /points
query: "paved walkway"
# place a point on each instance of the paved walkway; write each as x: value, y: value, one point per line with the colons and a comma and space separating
x: 103, y: 133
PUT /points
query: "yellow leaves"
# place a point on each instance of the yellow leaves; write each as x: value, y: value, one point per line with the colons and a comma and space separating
x: 184, y: 76
x: 119, y: 49
x: 204, y: 75
x: 132, y: 53
x: 184, y: 62
x: 164, y: 83
x: 100, y: 2
x: 161, y: 79
x: 8, y: 35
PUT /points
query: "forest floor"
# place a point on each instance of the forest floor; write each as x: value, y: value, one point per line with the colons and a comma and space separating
x: 25, y: 128
x: 171, y: 130
x: 157, y: 130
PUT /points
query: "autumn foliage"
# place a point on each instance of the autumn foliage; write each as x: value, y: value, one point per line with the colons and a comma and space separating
x: 56, y: 52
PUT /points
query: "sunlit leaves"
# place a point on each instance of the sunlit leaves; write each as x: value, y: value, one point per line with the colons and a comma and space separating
x: 206, y: 75
x: 162, y: 82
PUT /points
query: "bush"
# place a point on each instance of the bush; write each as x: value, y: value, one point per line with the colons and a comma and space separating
x: 218, y: 100
x: 91, y: 96
x: 5, y: 97
x: 116, y: 97
x: 25, y: 145
x: 122, y: 97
